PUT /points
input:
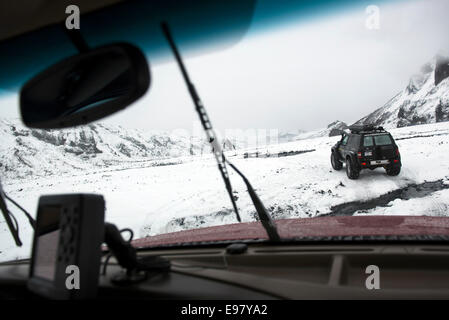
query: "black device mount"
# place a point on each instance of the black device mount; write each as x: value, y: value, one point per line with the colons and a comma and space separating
x: 70, y: 231
x: 126, y: 255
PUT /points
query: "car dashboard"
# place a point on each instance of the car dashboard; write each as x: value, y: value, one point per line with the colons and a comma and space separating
x: 261, y: 272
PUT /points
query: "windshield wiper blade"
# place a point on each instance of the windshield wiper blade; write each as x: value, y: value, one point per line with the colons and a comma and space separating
x: 9, y: 222
x: 264, y: 216
x: 205, y: 122
x: 27, y: 214
x: 10, y: 218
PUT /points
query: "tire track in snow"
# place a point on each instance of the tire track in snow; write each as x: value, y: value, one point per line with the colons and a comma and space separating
x: 409, y: 192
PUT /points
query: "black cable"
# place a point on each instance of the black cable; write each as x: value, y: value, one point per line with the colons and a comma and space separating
x: 30, y: 218
x: 105, y: 264
x: 109, y: 255
x: 130, y: 232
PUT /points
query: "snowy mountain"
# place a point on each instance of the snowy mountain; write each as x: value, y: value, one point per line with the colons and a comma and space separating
x: 336, y: 127
x: 289, y: 135
x: 424, y: 100
x: 28, y: 152
x: 333, y: 129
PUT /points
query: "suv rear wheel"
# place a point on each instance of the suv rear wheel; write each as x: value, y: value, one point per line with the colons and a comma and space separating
x: 351, y: 170
x: 336, y: 164
x: 393, y: 171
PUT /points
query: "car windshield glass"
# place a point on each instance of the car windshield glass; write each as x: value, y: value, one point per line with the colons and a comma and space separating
x: 382, y: 140
x: 280, y: 93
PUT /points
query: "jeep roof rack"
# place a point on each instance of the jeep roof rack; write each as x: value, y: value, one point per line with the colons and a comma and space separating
x: 368, y: 128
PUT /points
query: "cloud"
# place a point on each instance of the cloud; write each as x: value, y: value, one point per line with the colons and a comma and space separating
x: 299, y: 76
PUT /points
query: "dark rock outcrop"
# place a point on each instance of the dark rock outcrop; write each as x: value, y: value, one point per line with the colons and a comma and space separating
x: 424, y: 100
x: 337, y: 128
x: 441, y: 69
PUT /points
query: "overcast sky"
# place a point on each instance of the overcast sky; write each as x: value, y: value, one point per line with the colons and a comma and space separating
x: 299, y: 76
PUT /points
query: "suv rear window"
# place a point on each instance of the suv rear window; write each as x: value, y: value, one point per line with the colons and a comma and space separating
x: 368, y: 141
x: 379, y: 140
x: 382, y: 140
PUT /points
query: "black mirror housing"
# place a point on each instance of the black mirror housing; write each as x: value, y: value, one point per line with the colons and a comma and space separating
x: 85, y: 87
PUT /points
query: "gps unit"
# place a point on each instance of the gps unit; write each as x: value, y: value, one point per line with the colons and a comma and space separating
x: 67, y: 242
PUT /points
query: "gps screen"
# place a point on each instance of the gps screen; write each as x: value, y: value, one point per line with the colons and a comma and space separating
x: 47, y: 243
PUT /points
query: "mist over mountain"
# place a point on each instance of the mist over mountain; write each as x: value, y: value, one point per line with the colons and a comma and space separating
x: 424, y: 100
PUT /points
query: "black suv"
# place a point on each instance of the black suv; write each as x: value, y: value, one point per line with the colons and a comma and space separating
x: 366, y: 147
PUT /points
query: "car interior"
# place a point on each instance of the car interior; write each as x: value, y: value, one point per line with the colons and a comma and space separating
x: 66, y: 78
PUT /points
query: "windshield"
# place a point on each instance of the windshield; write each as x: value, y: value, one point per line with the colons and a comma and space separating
x: 278, y: 99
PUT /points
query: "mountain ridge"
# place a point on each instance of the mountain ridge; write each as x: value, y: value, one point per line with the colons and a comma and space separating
x: 424, y: 100
x: 25, y: 152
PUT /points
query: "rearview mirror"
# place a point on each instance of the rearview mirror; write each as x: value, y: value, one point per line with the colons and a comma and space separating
x: 85, y: 87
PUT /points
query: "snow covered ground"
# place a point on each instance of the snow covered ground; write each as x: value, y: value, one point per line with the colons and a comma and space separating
x: 189, y: 193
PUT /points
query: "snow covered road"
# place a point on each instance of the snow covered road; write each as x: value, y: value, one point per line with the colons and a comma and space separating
x: 159, y: 199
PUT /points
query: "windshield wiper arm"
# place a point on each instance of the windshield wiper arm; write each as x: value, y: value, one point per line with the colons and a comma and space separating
x: 9, y: 222
x: 13, y: 228
x: 207, y: 125
x: 264, y: 216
